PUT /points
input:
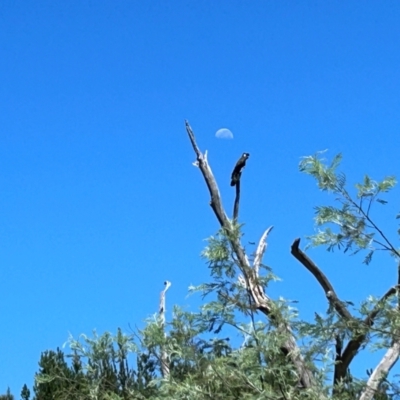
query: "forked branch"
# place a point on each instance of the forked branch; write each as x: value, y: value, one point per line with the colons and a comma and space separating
x: 250, y: 275
x: 345, y: 358
x: 358, y: 340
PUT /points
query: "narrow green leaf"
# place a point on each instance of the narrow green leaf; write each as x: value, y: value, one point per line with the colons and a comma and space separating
x: 381, y: 201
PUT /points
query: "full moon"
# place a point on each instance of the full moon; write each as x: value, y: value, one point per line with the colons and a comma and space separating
x: 224, y: 133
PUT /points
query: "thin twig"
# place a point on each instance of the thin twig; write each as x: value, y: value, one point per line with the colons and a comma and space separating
x: 366, y: 215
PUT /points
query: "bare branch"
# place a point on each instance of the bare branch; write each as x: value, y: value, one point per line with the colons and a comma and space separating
x: 193, y: 141
x: 161, y: 308
x: 381, y: 371
x: 342, y: 360
x: 330, y: 293
x: 262, y: 245
x: 237, y: 200
x: 398, y: 284
x: 164, y: 355
x: 216, y: 203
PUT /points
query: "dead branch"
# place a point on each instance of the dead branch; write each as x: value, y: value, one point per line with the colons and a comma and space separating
x: 381, y: 371
x: 237, y: 200
x: 330, y: 293
x: 261, y: 300
x: 205, y: 169
x: 164, y: 355
x: 262, y: 246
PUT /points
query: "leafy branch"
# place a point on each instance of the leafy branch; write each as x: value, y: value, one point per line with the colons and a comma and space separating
x: 356, y: 228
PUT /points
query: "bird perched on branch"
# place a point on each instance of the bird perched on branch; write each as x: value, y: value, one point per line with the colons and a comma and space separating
x: 237, y: 171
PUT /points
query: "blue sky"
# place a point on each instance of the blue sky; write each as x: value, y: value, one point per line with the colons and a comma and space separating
x: 99, y: 201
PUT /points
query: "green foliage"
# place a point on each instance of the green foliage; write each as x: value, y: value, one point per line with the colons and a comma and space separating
x: 25, y: 393
x: 99, y: 369
x: 55, y: 378
x: 225, y: 349
x: 7, y: 396
x: 326, y: 176
x: 348, y: 226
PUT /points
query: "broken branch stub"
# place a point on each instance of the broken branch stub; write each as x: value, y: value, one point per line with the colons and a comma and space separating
x: 161, y: 310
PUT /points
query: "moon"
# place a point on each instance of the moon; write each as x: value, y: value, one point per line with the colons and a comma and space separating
x: 224, y: 133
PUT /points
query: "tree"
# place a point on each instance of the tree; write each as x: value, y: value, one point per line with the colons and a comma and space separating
x: 56, y: 379
x: 7, y: 396
x: 99, y: 370
x: 25, y: 393
x: 355, y: 230
x: 194, y: 356
x: 344, y: 332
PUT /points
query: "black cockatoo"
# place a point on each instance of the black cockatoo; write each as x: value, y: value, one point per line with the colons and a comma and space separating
x: 237, y: 171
